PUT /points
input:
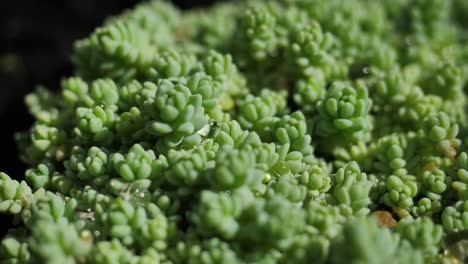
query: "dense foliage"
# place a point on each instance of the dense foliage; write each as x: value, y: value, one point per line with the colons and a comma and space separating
x: 286, y: 131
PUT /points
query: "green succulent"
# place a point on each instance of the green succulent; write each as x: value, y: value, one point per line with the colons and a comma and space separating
x: 282, y: 131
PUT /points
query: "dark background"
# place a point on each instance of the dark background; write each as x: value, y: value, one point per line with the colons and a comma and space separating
x: 36, y: 40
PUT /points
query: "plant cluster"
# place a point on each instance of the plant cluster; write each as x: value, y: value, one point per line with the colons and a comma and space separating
x: 283, y: 131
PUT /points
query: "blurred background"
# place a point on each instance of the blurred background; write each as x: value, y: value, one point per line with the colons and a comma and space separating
x: 36, y: 40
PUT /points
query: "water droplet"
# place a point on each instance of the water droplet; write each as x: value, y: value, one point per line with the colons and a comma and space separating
x: 140, y: 196
x: 366, y: 70
x: 140, y: 193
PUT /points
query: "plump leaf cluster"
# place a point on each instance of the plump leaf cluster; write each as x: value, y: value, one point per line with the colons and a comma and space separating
x: 282, y: 131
